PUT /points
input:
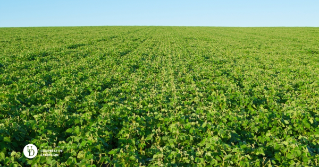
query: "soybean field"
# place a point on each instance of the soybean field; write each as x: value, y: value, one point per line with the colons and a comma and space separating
x: 160, y: 96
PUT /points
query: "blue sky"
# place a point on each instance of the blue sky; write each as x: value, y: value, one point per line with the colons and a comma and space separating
x: 235, y: 13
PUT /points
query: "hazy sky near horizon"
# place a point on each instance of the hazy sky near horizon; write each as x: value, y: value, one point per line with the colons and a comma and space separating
x: 234, y: 13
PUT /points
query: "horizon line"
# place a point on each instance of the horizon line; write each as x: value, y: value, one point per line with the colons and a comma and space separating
x: 165, y: 26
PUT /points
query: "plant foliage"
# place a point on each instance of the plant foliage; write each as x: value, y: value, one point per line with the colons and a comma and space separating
x: 160, y: 96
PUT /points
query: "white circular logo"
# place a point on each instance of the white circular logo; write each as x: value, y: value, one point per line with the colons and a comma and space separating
x: 30, y: 151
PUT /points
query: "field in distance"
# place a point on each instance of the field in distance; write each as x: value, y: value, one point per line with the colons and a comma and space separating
x: 160, y: 96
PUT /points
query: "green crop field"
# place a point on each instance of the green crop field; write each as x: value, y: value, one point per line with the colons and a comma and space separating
x: 160, y: 96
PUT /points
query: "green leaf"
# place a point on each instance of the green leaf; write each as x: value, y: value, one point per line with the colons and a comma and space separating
x: 2, y: 95
x: 2, y: 156
x: 77, y: 130
x: 297, y: 153
x: 114, y: 151
x: 48, y: 160
x: 70, y: 130
x: 290, y: 156
x: 286, y: 122
x: 7, y: 160
x: 82, y: 144
x: 204, y: 124
x: 149, y: 137
x: 132, y: 158
x: 227, y: 156
x: 76, y: 121
x: 13, y: 165
x: 81, y: 155
x: 218, y: 158
x: 7, y: 139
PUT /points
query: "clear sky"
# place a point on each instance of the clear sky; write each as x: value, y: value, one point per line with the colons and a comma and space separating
x: 237, y: 13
